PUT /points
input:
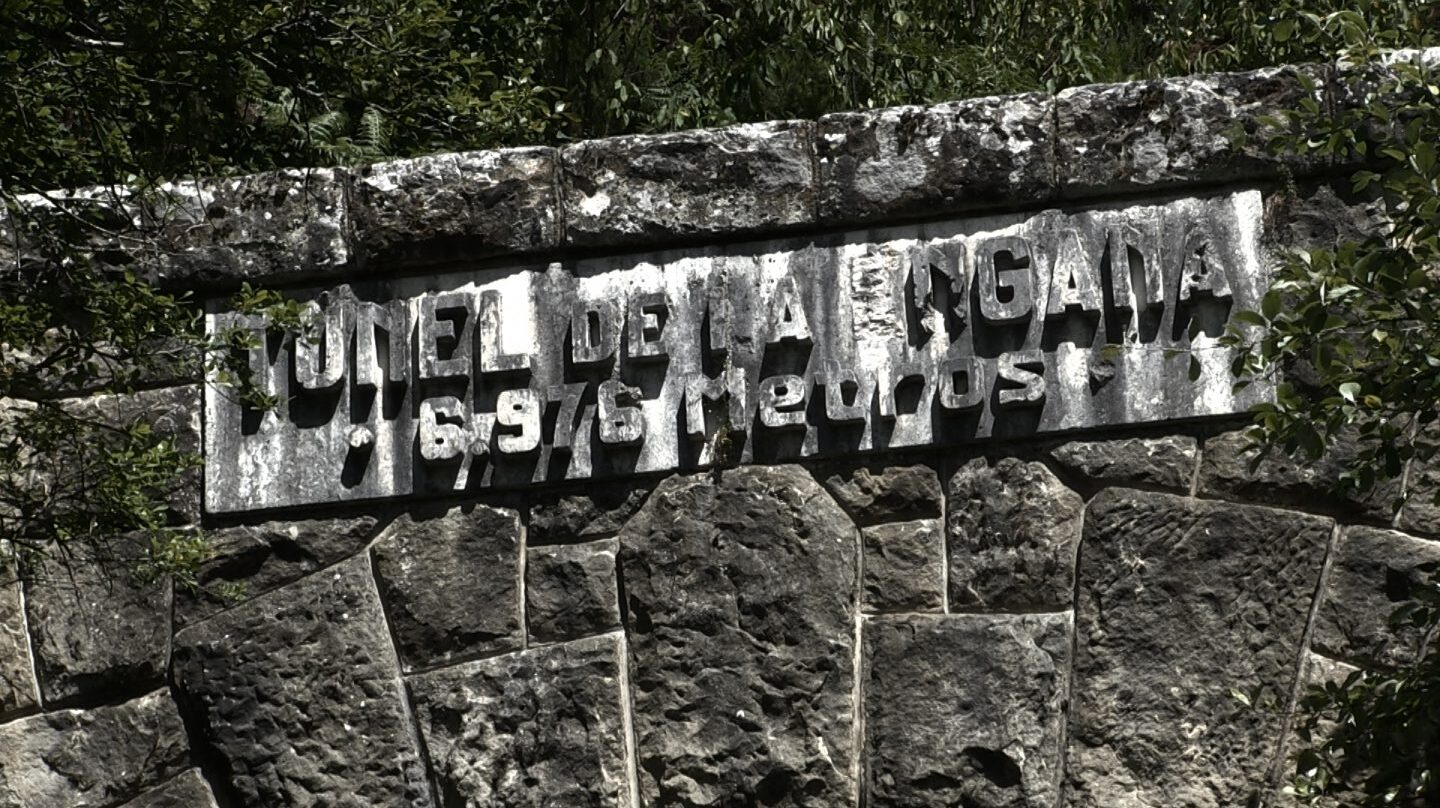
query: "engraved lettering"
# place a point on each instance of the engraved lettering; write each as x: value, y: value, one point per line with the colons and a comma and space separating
x: 493, y: 359
x: 621, y: 421
x: 518, y: 410
x: 842, y: 382
x: 594, y: 332
x: 1072, y: 278
x: 962, y: 383
x: 1003, y: 270
x: 1202, y: 271
x: 378, y: 360
x: 782, y: 400
x: 729, y: 385
x: 1021, y: 377
x: 787, y: 314
x: 320, y: 358
x: 442, y: 433
x: 443, y: 352
x: 648, y: 316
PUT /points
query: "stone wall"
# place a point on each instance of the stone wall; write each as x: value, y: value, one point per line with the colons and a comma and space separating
x: 1031, y: 620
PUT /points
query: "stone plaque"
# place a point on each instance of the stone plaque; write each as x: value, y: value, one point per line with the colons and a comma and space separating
x: 935, y: 333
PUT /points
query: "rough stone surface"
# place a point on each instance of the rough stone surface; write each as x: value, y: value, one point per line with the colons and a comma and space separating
x: 91, y: 758
x: 189, y: 790
x: 965, y: 709
x: 173, y: 413
x: 876, y: 494
x: 600, y: 511
x: 907, y: 161
x: 1421, y: 514
x: 18, y: 689
x: 297, y: 693
x: 1182, y: 600
x: 740, y: 606
x: 451, y: 583
x: 706, y: 182
x: 455, y: 206
x: 1373, y: 572
x: 537, y: 728
x: 263, y: 557
x: 570, y: 590
x: 1152, y: 134
x: 1225, y: 472
x: 1012, y: 530
x: 288, y: 223
x: 904, y: 566
x: 97, y: 631
x: 1166, y: 462
x: 1318, y: 671
x: 1321, y: 215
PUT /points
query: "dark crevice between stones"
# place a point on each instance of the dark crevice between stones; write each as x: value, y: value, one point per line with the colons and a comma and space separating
x: 994, y: 765
x: 111, y: 688
x: 204, y: 755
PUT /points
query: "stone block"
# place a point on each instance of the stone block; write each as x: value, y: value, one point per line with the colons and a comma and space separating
x: 1168, y: 132
x: 1421, y: 511
x: 91, y: 758
x: 595, y: 513
x: 449, y: 207
x: 1373, y: 573
x: 1164, y: 462
x: 174, y: 415
x: 19, y: 692
x: 965, y: 709
x: 1012, y: 530
x: 570, y: 590
x: 451, y: 583
x: 904, y: 566
x: 299, y: 697
x: 189, y: 790
x: 740, y: 611
x: 1225, y: 471
x: 263, y: 557
x: 1182, y: 601
x: 97, y: 629
x: 535, y: 728
x: 874, y: 494
x: 702, y: 183
x: 288, y: 224
x: 892, y: 163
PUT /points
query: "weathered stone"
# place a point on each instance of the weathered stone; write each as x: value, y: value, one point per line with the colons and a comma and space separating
x: 259, y: 558
x: 1318, y: 671
x: 904, y: 566
x: 455, y: 206
x: 1167, y: 462
x: 1373, y: 572
x: 600, y: 511
x: 740, y: 607
x: 1225, y: 471
x: 876, y: 494
x: 1421, y: 511
x: 1321, y: 215
x: 288, y: 223
x: 965, y: 709
x: 1182, y: 601
x: 91, y: 758
x: 298, y: 693
x: 542, y: 727
x: 1012, y: 531
x: 19, y: 691
x: 189, y: 790
x: 1153, y: 134
x: 706, y: 182
x: 174, y: 414
x: 570, y: 590
x: 451, y: 583
x: 97, y: 629
x: 908, y: 161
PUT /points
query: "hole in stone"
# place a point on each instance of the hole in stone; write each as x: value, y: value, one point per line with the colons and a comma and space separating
x: 997, y: 766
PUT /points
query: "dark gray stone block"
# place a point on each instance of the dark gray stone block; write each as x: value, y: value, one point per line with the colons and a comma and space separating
x: 1372, y: 573
x: 189, y: 790
x: 1167, y: 132
x: 286, y: 224
x: 706, y: 182
x: 966, y: 709
x: 1225, y: 471
x: 91, y: 758
x: 1166, y: 462
x: 19, y: 691
x: 904, y: 566
x: 537, y: 728
x: 960, y: 155
x: 600, y: 511
x: 97, y: 630
x: 1012, y: 530
x: 298, y: 694
x: 1181, y: 602
x: 876, y: 494
x: 174, y: 414
x: 447, y: 207
x: 1421, y: 512
x: 741, y: 612
x: 260, y: 558
x: 451, y: 583
x: 570, y: 591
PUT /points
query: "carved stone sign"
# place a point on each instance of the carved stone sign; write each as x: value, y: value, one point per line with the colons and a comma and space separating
x: 932, y: 333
